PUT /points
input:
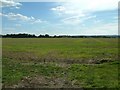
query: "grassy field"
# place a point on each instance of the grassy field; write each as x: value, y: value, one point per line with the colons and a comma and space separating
x: 63, y: 62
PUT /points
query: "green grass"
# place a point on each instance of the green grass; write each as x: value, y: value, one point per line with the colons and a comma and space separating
x: 99, y: 76
x: 83, y: 62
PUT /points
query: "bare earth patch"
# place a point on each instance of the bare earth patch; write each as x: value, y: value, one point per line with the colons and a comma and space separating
x: 44, y: 82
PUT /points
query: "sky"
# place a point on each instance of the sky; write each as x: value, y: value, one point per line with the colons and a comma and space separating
x: 76, y: 17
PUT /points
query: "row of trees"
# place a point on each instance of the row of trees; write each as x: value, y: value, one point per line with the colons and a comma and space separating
x: 48, y: 36
x: 24, y: 36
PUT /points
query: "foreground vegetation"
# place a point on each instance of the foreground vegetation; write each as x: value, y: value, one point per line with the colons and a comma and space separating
x: 63, y: 62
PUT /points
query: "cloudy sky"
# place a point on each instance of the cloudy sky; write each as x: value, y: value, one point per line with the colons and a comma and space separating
x: 76, y: 17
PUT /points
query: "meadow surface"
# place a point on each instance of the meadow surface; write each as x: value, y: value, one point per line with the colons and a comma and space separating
x: 60, y: 62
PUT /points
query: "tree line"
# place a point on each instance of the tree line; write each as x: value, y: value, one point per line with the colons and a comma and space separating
x: 55, y: 36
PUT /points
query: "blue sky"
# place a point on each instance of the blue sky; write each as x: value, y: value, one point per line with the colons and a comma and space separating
x: 78, y: 17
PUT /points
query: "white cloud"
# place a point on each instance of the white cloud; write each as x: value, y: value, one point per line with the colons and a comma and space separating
x: 58, y: 8
x: 74, y: 20
x: 13, y: 16
x: 17, y: 7
x: 10, y: 3
x: 37, y: 21
x: 77, y: 11
x: 84, y: 7
x: 65, y: 10
x: 102, y: 29
x: 92, y: 5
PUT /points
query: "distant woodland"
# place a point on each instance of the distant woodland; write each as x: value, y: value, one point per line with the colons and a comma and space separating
x: 55, y: 36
